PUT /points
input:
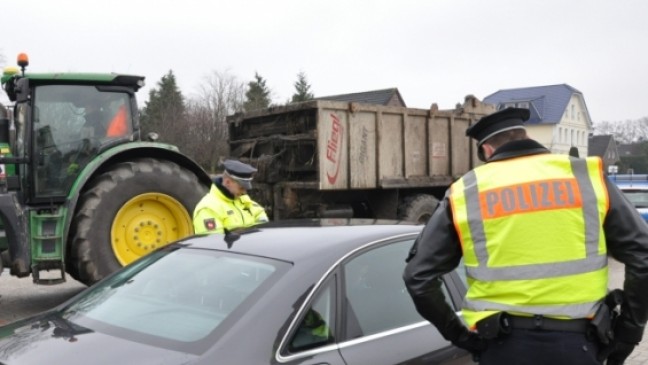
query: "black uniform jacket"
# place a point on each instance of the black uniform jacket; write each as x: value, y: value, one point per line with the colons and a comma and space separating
x: 437, y: 251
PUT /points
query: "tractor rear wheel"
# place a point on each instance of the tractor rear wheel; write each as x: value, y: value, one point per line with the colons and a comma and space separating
x: 417, y: 208
x: 128, y: 211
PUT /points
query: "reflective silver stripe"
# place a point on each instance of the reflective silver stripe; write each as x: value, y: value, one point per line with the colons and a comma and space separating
x: 475, y: 221
x: 590, y: 206
x: 580, y: 310
x: 538, y: 271
x: 592, y: 262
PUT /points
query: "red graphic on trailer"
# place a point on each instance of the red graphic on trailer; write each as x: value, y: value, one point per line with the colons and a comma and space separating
x: 334, y: 149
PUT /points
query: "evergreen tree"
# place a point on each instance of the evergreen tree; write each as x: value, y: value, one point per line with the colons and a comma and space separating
x: 302, y: 89
x: 164, y: 112
x: 257, y: 95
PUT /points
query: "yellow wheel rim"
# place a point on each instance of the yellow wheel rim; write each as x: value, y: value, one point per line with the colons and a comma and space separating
x: 147, y: 222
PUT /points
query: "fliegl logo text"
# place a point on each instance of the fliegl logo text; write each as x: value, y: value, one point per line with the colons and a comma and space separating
x: 334, y: 149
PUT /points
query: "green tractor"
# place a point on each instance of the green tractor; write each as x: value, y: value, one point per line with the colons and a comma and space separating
x: 81, y: 190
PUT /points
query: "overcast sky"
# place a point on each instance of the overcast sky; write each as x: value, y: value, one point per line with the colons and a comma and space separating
x: 431, y: 50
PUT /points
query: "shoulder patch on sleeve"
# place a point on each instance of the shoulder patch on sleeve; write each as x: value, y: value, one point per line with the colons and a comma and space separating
x: 210, y: 224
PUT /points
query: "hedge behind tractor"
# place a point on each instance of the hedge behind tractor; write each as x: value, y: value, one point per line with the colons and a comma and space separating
x: 81, y: 190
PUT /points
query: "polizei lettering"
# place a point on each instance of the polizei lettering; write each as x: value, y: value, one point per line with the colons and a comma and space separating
x: 334, y: 149
x: 532, y: 196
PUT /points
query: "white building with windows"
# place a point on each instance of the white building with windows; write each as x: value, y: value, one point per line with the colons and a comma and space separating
x: 559, y: 117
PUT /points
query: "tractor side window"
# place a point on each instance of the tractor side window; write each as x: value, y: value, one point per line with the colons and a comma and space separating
x: 20, y: 117
x: 71, y: 123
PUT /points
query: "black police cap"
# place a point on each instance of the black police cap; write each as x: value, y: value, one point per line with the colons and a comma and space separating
x: 239, y: 171
x: 500, y: 121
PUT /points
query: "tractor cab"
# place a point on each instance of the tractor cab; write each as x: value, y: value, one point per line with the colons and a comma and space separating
x: 64, y: 121
x: 71, y: 125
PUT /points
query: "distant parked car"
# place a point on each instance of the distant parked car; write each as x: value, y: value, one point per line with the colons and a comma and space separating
x: 325, y: 292
x: 635, y: 188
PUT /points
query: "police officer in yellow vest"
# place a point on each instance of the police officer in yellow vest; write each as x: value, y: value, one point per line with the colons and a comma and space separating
x: 227, y: 205
x: 534, y: 230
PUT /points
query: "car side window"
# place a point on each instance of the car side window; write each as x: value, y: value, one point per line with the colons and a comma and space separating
x: 376, y: 297
x: 318, y: 323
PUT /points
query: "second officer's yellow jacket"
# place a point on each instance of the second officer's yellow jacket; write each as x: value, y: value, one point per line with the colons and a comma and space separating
x: 218, y: 211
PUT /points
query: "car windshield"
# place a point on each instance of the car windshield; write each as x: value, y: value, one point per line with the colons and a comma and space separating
x: 180, y: 297
x: 638, y: 198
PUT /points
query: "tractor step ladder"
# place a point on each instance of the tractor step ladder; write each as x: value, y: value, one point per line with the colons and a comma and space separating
x: 47, y: 245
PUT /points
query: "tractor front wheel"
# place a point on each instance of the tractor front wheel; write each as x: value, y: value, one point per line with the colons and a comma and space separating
x: 128, y: 211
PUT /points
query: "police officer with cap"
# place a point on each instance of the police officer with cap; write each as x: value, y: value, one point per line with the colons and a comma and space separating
x: 534, y: 230
x: 227, y: 205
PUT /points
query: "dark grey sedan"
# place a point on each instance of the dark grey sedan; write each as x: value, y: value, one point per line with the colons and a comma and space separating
x: 329, y: 292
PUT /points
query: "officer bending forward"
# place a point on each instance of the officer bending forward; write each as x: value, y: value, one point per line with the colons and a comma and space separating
x: 227, y: 205
x: 534, y: 230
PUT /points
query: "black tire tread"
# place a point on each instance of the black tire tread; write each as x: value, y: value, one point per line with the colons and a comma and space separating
x: 83, y: 255
x: 413, y: 207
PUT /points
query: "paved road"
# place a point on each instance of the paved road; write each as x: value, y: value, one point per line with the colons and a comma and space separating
x: 20, y: 298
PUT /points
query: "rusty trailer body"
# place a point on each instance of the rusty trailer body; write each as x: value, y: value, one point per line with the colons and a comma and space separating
x: 338, y: 159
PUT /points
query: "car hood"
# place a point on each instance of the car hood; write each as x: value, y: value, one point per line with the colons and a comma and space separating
x: 52, y: 340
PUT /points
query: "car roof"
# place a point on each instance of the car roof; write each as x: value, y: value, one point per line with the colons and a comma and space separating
x: 297, y: 240
x: 631, y: 187
x: 627, y: 181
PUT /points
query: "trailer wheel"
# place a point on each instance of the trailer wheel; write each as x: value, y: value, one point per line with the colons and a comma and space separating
x: 417, y: 208
x: 129, y: 211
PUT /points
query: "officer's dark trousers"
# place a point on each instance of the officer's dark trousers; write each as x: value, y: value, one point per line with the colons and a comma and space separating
x: 537, y: 347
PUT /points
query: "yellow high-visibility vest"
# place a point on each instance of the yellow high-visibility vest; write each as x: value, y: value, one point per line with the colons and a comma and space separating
x: 531, y: 230
x: 216, y: 212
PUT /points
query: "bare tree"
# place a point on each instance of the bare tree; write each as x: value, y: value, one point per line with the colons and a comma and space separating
x: 220, y: 95
x: 628, y: 131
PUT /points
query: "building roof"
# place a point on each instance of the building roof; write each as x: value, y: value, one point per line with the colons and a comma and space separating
x: 380, y: 97
x: 598, y: 145
x: 546, y: 103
